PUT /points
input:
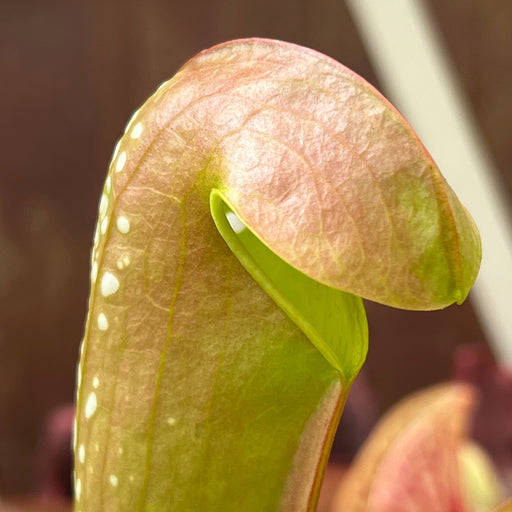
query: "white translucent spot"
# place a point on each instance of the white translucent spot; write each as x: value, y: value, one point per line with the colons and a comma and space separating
x: 81, y: 453
x: 109, y: 284
x: 116, y: 150
x: 104, y: 225
x: 95, y: 382
x: 120, y: 450
x: 94, y: 271
x: 108, y: 184
x: 103, y: 205
x: 113, y: 480
x: 137, y: 131
x: 171, y: 421
x: 123, y: 224
x: 78, y: 489
x: 131, y: 478
x: 102, y: 322
x: 96, y: 447
x: 236, y: 224
x: 79, y: 374
x: 96, y: 239
x: 90, y: 405
x: 131, y: 121
x: 123, y: 262
x: 121, y: 161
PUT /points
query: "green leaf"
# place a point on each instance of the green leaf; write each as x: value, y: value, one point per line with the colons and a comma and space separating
x: 212, y: 375
x: 334, y: 321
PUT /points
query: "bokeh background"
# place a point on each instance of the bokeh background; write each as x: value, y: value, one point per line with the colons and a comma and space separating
x: 72, y: 72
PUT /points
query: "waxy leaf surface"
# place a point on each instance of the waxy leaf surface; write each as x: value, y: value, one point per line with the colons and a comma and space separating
x: 250, y: 200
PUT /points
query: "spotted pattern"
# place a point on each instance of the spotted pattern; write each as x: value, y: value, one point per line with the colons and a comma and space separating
x: 137, y: 131
x: 102, y: 322
x: 123, y: 224
x: 123, y: 262
x: 113, y: 480
x: 81, y: 453
x: 94, y: 272
x: 91, y: 404
x: 108, y: 285
x: 121, y: 161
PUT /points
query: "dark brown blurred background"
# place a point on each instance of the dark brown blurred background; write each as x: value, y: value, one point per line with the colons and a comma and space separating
x: 71, y: 74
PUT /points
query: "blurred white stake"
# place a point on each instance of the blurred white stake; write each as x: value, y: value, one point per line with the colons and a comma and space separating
x: 416, y: 75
